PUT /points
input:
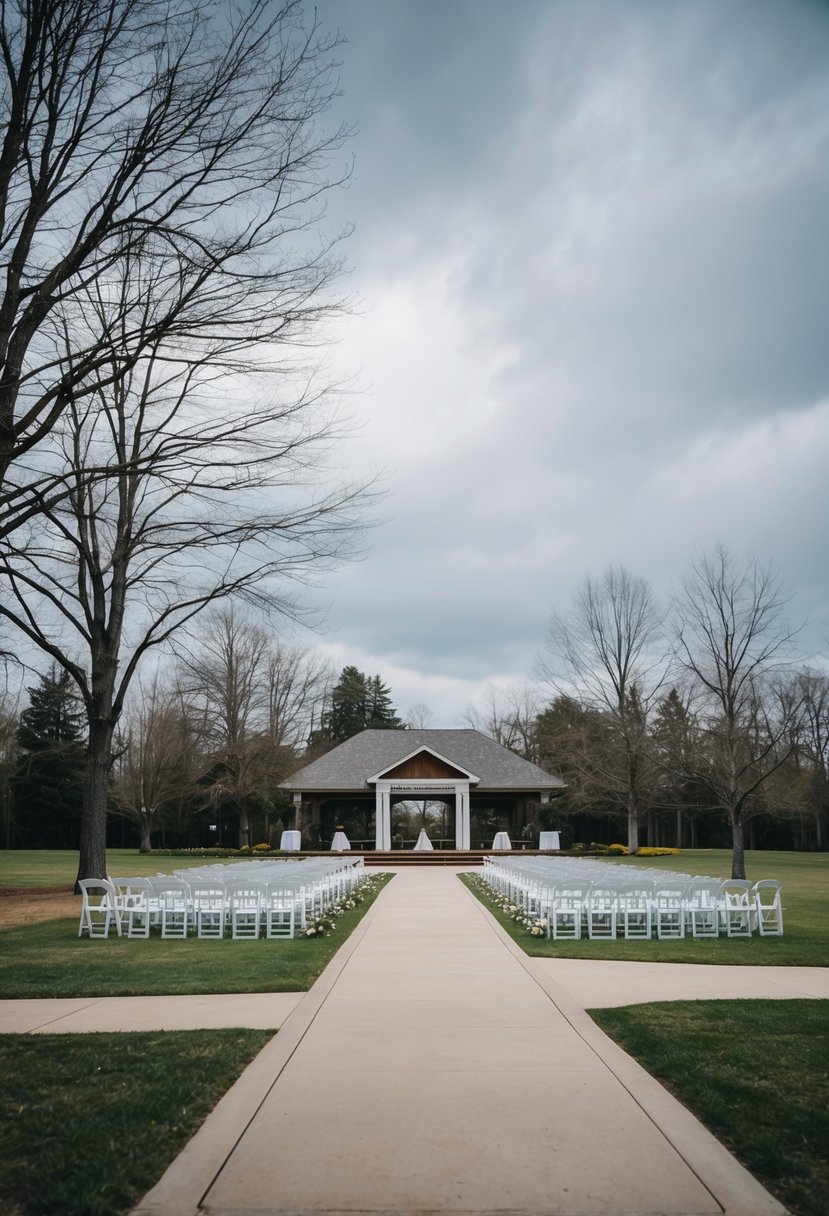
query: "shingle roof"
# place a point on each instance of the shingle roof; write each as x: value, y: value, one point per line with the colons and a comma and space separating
x: 348, y: 766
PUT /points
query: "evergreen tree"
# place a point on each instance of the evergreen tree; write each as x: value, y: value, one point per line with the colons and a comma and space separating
x: 380, y: 713
x: 359, y: 702
x: 48, y: 781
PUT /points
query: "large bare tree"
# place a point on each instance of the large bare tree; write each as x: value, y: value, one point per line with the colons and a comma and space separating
x: 181, y: 132
x: 605, y: 653
x: 731, y: 638
x: 164, y: 163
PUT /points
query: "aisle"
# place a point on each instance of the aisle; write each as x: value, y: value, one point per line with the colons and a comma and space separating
x: 434, y: 1073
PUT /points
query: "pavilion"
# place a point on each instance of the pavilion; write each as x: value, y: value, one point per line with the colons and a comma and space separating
x: 360, y: 781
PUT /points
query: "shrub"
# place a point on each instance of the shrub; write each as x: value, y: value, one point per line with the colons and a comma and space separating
x: 658, y: 852
x: 617, y: 850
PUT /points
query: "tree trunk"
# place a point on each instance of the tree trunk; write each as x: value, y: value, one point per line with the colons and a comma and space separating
x: 244, y: 828
x: 738, y: 856
x: 633, y: 833
x: 93, y: 858
x: 146, y: 842
x: 679, y: 827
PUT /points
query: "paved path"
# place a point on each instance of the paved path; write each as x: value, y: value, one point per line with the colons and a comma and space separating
x: 82, y: 1015
x: 433, y: 1068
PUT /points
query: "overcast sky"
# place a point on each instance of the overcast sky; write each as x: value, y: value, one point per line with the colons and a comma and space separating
x: 590, y: 260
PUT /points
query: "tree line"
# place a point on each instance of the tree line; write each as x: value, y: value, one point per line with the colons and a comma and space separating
x: 671, y: 719
x: 200, y: 750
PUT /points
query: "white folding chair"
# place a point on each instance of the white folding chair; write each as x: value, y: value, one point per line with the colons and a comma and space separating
x: 702, y: 908
x: 566, y: 910
x: 735, y: 907
x: 99, y: 908
x: 245, y: 898
x: 602, y: 912
x: 279, y: 911
x: 669, y: 908
x: 635, y: 910
x: 767, y: 908
x: 173, y: 907
x: 208, y: 902
x: 136, y: 904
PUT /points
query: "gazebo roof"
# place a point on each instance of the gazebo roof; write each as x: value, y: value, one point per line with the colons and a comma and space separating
x: 369, y: 754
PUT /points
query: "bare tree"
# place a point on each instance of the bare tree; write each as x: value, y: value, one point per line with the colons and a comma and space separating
x: 179, y: 131
x: 731, y: 637
x: 297, y: 683
x: 9, y: 720
x: 799, y: 790
x: 508, y: 716
x: 223, y: 679
x: 604, y: 651
x: 186, y: 507
x: 419, y: 716
x: 814, y: 741
x: 164, y: 164
x: 152, y: 759
x: 255, y: 698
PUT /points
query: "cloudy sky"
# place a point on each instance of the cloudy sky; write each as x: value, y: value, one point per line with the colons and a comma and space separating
x: 590, y: 264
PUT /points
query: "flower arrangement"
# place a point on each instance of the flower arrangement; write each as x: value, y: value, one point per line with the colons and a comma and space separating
x: 320, y: 926
x: 324, y: 924
x: 535, y: 926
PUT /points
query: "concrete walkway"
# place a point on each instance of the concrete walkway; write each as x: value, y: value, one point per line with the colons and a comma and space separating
x: 433, y: 1068
x: 85, y: 1015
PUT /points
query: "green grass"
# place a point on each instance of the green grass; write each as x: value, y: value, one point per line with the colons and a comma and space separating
x: 755, y: 1072
x: 805, y: 940
x: 49, y: 960
x: 59, y: 867
x: 88, y: 1123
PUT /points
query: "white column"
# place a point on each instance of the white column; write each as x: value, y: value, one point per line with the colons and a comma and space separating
x: 462, y: 826
x: 382, y: 815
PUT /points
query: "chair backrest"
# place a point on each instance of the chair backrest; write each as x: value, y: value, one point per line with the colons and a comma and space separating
x: 735, y: 891
x: 245, y: 893
x: 171, y: 893
x: 206, y: 894
x: 99, y: 907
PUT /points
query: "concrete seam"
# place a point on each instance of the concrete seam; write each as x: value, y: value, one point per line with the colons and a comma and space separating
x: 63, y: 1016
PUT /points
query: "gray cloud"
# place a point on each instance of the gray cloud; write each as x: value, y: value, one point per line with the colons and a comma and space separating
x: 591, y: 255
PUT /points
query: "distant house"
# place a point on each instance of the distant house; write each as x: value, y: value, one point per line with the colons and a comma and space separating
x: 362, y: 780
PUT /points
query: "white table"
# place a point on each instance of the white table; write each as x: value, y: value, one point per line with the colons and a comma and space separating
x: 549, y: 840
x: 291, y: 842
x: 501, y: 841
x: 423, y: 844
x: 340, y: 843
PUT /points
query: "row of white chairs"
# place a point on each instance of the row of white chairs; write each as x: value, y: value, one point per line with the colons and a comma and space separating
x: 276, y: 899
x: 574, y: 898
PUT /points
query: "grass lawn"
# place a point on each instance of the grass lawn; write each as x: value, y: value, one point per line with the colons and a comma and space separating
x: 755, y: 1072
x: 805, y: 940
x: 88, y: 1123
x: 49, y: 960
x: 59, y: 867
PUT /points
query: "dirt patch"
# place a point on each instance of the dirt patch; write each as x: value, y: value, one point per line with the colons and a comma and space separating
x: 22, y: 905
